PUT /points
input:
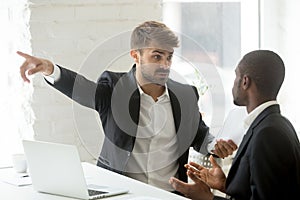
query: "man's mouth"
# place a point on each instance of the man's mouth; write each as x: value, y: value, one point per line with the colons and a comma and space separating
x: 162, y: 74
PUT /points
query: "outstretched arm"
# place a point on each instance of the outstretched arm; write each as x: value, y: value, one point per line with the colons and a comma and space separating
x: 75, y: 86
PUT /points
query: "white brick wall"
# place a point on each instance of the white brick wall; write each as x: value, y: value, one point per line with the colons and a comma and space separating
x: 65, y: 31
x: 15, y: 112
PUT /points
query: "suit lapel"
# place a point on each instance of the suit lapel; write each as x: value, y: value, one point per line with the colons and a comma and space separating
x: 243, y: 146
x: 134, y: 102
x: 175, y: 109
x: 126, y: 103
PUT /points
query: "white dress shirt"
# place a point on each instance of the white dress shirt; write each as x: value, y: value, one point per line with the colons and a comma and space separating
x: 254, y: 113
x: 154, y: 156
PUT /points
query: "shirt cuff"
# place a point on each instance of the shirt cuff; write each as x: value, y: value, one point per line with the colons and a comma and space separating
x: 207, y: 144
x: 211, y: 145
x: 55, y: 76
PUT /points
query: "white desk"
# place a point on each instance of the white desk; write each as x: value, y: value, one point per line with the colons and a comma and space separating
x: 137, y: 189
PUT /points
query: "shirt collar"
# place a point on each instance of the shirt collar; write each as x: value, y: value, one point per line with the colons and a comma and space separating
x: 166, y: 92
x: 254, y: 113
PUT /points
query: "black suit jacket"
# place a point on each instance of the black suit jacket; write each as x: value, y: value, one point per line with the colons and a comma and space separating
x: 117, y: 100
x: 267, y: 163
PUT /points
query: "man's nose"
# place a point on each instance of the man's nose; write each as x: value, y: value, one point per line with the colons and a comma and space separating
x: 165, y: 64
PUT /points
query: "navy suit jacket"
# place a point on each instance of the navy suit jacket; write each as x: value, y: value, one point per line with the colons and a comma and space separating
x: 267, y: 163
x: 117, y: 100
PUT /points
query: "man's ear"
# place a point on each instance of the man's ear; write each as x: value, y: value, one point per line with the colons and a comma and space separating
x: 246, y: 82
x: 135, y: 55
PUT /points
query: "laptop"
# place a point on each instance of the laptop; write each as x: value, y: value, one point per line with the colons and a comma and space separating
x: 56, y: 169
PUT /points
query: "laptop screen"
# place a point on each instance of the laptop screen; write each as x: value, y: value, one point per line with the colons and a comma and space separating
x: 56, y: 169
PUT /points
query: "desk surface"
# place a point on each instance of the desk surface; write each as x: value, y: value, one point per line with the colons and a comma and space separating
x: 137, y: 189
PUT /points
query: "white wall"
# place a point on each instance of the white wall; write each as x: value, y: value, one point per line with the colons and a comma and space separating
x: 280, y: 32
x: 66, y: 31
x: 16, y: 115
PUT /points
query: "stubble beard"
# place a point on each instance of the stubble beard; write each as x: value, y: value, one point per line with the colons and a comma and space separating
x: 150, y: 78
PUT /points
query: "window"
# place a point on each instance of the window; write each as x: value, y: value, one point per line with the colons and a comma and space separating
x: 213, y: 35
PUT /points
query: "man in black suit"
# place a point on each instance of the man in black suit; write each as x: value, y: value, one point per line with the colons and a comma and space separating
x: 149, y: 120
x: 267, y: 163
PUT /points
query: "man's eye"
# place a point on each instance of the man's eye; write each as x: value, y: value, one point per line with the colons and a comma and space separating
x: 169, y: 58
x: 157, y: 57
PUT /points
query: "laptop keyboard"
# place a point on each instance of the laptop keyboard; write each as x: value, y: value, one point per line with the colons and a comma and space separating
x: 95, y: 192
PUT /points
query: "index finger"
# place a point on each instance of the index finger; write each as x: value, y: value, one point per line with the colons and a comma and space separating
x: 191, y: 168
x: 196, y: 165
x: 24, y: 55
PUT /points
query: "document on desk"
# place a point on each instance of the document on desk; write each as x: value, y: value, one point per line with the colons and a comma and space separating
x: 17, y: 179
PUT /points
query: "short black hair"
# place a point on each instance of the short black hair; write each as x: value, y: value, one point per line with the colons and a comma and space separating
x: 266, y: 69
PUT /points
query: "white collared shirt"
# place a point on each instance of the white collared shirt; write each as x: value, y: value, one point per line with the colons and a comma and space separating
x: 154, y: 156
x: 55, y: 76
x: 254, y: 113
x: 249, y: 119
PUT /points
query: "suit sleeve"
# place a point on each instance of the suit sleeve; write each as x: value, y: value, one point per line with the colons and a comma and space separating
x: 85, y: 92
x: 203, y: 138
